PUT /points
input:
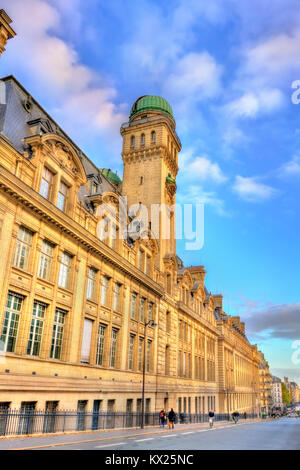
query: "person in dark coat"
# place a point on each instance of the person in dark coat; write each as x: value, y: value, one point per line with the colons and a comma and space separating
x: 171, y: 418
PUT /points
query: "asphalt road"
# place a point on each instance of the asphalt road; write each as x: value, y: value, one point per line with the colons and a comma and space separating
x: 279, y: 434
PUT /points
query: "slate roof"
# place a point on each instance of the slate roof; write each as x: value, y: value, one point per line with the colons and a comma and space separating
x: 19, y: 111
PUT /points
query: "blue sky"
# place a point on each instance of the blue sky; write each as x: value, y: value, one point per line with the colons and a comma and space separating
x: 226, y: 67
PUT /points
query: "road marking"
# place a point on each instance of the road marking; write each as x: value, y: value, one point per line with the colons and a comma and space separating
x: 147, y: 439
x: 185, y: 433
x: 111, y: 445
x: 169, y: 435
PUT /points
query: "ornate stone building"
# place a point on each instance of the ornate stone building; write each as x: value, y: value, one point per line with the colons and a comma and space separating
x: 265, y: 384
x: 75, y: 300
x: 276, y: 393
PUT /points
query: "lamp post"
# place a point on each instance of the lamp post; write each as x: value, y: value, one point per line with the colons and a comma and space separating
x: 151, y: 323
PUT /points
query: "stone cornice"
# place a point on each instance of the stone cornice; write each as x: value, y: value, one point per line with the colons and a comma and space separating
x: 25, y: 195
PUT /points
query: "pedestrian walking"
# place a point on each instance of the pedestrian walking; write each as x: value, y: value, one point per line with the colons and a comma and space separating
x: 245, y: 415
x: 162, y: 418
x: 235, y: 416
x: 171, y: 418
x: 211, y: 418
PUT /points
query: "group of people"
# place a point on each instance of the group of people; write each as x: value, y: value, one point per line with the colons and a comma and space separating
x: 169, y: 418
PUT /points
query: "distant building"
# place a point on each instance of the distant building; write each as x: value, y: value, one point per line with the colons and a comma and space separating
x: 276, y: 393
x: 294, y: 390
x: 265, y: 384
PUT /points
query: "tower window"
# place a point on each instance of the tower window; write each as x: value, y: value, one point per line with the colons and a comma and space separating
x: 143, y: 139
x: 142, y: 180
x: 153, y: 137
x: 132, y: 141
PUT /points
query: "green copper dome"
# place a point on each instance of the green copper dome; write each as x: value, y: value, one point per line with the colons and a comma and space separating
x: 151, y: 103
x: 111, y: 176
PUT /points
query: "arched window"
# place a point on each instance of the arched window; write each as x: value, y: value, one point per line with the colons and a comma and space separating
x: 143, y: 139
x: 132, y: 141
x: 153, y: 137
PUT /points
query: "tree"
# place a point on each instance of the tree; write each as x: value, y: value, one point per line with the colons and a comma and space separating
x: 286, y: 397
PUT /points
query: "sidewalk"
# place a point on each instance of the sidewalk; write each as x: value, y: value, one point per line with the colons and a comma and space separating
x: 13, y: 442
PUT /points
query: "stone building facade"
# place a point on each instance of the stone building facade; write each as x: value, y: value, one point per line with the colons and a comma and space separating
x: 265, y: 384
x: 80, y: 310
x: 276, y: 393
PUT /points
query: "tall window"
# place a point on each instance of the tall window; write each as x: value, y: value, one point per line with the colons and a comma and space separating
x: 91, y: 284
x: 153, y: 137
x: 133, y: 305
x: 142, y: 139
x: 86, y: 340
x: 150, y: 311
x: 184, y: 364
x: 36, y: 329
x: 100, y: 345
x: 104, y: 290
x: 57, y: 334
x: 148, y: 362
x: 11, y: 322
x: 147, y: 264
x: 168, y: 322
x: 46, y: 260
x: 117, y: 295
x: 169, y: 283
x: 179, y: 363
x: 140, y: 260
x: 132, y: 141
x: 142, y: 309
x: 140, y: 354
x: 46, y: 183
x: 62, y: 196
x: 130, y: 351
x: 167, y: 360
x: 23, y: 247
x: 65, y: 270
x: 113, y: 347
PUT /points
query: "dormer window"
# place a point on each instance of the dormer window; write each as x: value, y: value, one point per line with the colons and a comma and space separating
x: 153, y: 137
x: 132, y: 141
x: 94, y: 188
x: 62, y: 196
x: 142, y: 140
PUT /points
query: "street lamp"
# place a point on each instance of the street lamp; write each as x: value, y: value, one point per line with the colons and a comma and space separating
x: 148, y: 323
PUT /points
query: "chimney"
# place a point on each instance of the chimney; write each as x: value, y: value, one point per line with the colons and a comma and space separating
x: 6, y: 32
x: 197, y: 273
x: 218, y: 300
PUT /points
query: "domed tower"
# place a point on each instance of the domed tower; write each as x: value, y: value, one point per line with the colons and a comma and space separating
x: 150, y: 157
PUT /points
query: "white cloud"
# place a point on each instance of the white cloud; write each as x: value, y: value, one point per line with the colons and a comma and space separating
x: 251, y: 190
x: 275, y: 56
x: 47, y: 60
x: 200, y: 168
x: 250, y: 104
x: 197, y: 195
x: 195, y: 74
x: 291, y: 168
